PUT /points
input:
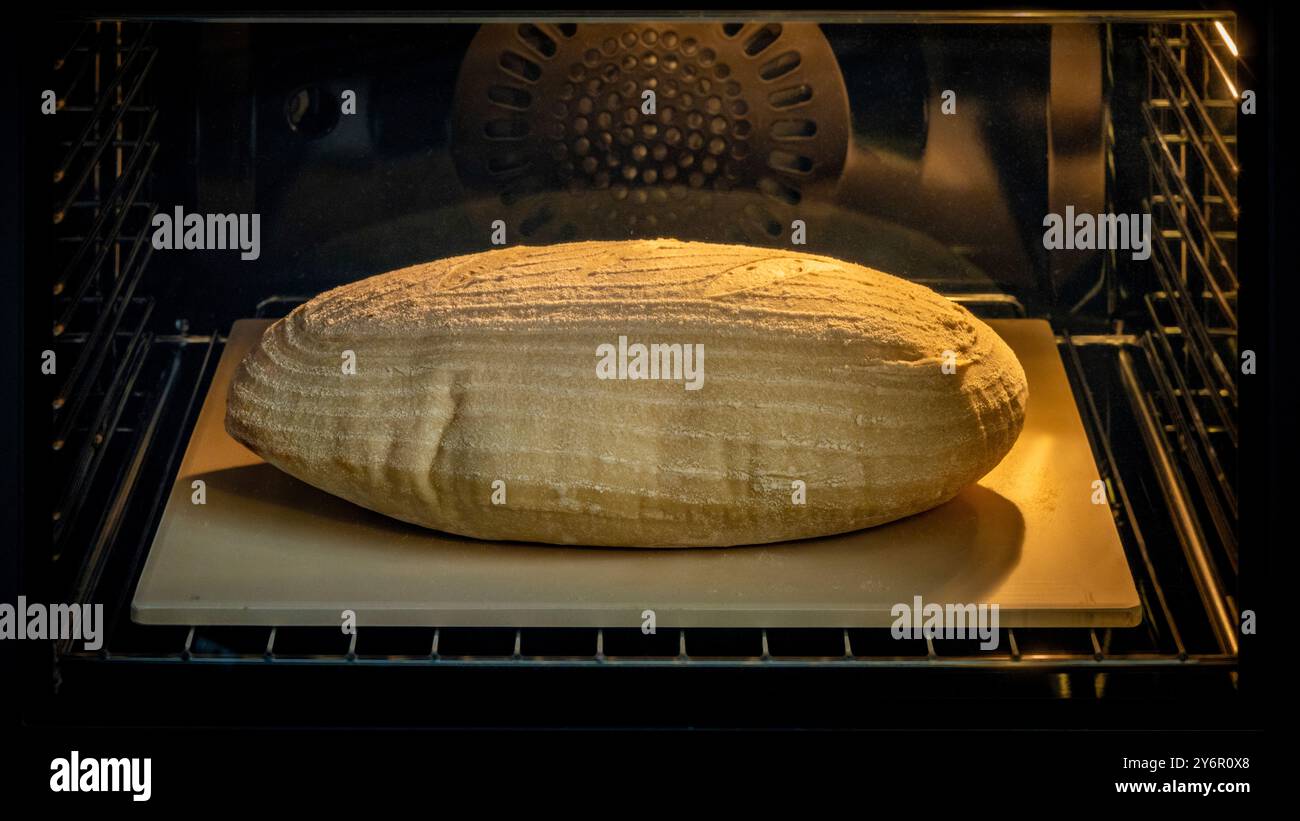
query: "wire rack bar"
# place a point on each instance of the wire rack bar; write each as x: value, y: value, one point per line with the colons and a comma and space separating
x: 1200, y: 347
x: 98, y: 437
x: 72, y: 396
x: 92, y: 568
x: 161, y: 401
x: 1011, y: 659
x: 1166, y: 166
x: 1164, y: 59
x: 1180, y: 398
x: 106, y: 97
x: 120, y: 200
x: 1179, y: 287
x: 1206, y: 576
x: 74, y: 82
x: 74, y: 46
x: 107, y: 69
x: 1110, y: 468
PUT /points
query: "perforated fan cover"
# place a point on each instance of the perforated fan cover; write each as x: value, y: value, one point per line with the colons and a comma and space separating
x: 551, y: 132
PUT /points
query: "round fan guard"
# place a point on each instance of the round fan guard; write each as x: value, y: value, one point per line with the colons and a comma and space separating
x: 552, y: 134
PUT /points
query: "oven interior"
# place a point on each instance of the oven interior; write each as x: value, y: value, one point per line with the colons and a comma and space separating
x: 841, y: 124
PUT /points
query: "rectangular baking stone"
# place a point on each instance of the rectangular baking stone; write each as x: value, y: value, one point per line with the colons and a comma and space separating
x: 267, y: 549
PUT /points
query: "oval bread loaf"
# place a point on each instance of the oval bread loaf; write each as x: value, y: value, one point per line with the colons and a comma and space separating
x: 500, y: 395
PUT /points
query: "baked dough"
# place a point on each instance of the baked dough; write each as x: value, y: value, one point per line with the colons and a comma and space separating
x: 476, y: 405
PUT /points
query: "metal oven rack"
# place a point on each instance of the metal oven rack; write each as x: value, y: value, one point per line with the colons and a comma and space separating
x: 101, y: 425
x: 1164, y: 391
x: 1070, y: 662
x: 1190, y: 145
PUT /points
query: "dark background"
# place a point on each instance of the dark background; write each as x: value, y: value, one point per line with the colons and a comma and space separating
x: 225, y: 732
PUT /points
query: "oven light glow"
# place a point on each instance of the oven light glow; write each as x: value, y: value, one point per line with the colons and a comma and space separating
x: 1214, y: 58
x: 1223, y: 32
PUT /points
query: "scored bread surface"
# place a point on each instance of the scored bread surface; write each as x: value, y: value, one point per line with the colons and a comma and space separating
x: 476, y: 376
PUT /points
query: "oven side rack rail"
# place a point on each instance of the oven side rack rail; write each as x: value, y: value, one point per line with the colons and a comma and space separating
x: 105, y: 153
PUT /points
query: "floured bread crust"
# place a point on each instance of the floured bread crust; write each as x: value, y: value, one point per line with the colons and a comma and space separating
x: 476, y: 377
